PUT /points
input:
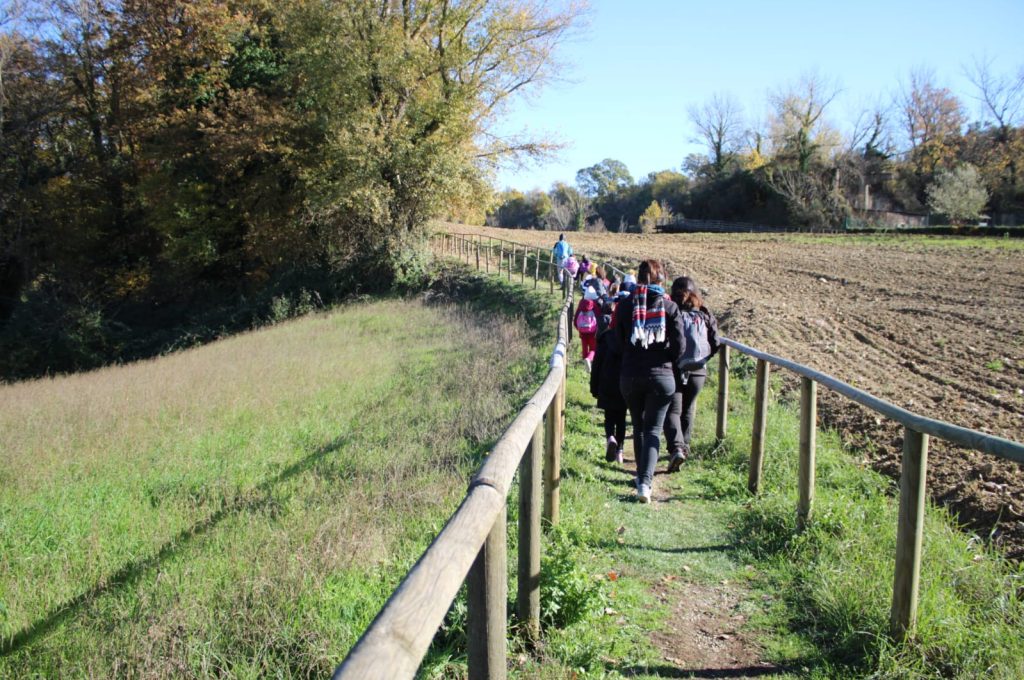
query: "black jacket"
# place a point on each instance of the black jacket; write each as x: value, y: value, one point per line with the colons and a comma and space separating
x: 659, y: 357
x: 604, y: 374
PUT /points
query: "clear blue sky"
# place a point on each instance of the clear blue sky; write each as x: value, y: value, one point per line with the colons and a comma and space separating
x: 633, y: 72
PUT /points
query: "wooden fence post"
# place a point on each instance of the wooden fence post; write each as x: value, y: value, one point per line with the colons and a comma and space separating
x: 522, y: 275
x: 501, y: 255
x: 913, y: 473
x: 551, y: 271
x: 808, y: 435
x: 511, y: 258
x: 530, y: 485
x: 487, y: 591
x: 760, y: 418
x: 553, y: 456
x: 487, y: 256
x: 477, y: 243
x: 723, y: 393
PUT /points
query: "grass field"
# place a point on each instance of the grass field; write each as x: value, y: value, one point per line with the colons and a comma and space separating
x: 244, y: 508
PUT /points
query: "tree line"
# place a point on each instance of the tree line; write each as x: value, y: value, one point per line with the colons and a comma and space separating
x: 915, y: 151
x: 171, y: 170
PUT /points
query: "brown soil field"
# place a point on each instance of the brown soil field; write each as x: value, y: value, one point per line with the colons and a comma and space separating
x: 931, y: 324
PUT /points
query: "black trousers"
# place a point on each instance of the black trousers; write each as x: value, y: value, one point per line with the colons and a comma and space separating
x: 615, y: 425
x: 681, y: 413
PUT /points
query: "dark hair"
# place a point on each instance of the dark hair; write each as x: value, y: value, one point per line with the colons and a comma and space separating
x: 686, y: 293
x: 561, y: 237
x: 650, y: 272
x: 613, y: 288
x: 599, y: 272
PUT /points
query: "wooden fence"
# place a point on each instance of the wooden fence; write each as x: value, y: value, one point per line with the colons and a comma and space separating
x: 472, y: 545
x: 917, y: 430
x: 515, y: 259
x: 474, y: 539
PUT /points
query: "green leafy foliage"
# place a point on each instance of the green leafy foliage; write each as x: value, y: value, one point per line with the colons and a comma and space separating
x: 959, y: 194
x: 162, y: 154
x: 568, y: 592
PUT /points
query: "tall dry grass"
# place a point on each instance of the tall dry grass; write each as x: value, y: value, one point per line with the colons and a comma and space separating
x: 242, y: 507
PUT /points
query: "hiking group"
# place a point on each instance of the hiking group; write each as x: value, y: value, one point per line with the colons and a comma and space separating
x: 647, y: 352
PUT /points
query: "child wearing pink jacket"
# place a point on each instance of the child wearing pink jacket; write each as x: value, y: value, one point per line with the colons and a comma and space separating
x: 586, y: 324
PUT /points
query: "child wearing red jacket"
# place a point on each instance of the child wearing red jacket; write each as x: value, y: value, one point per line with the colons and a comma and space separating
x: 586, y: 323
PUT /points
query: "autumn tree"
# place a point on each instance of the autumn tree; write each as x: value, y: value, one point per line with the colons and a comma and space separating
x: 173, y: 153
x: 932, y: 120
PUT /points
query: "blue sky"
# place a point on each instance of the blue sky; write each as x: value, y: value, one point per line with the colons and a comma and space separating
x: 631, y: 74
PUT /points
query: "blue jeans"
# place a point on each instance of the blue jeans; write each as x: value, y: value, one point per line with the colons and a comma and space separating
x: 648, y: 397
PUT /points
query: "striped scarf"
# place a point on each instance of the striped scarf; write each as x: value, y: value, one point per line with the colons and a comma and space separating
x: 648, y: 322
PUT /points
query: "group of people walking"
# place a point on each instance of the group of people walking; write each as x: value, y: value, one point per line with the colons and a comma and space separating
x: 646, y: 348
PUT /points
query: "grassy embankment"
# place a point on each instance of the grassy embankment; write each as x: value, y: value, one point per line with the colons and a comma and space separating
x: 245, y: 508
x: 818, y: 602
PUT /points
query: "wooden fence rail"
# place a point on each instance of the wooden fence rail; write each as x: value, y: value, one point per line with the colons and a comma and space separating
x: 472, y: 545
x: 917, y: 429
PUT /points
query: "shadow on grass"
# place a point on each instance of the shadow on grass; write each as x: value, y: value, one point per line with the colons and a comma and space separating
x: 614, y: 545
x: 131, y: 572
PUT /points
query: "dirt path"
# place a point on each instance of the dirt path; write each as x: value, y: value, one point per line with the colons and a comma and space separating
x: 706, y: 634
x: 938, y: 330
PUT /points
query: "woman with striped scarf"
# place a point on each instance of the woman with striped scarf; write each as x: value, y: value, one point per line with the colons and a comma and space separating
x: 649, y: 329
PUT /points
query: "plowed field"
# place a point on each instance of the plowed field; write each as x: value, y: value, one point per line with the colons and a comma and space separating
x: 934, y: 325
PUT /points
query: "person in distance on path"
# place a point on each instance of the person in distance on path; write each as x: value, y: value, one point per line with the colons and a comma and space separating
x: 679, y: 420
x: 561, y: 251
x: 648, y: 326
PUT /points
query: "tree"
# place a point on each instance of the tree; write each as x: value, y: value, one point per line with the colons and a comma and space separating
x: 959, y: 194
x: 517, y: 210
x: 719, y: 124
x: 569, y: 207
x: 1001, y: 97
x: 932, y: 120
x: 803, y: 169
x: 650, y: 217
x: 800, y: 133
x: 998, y: 158
x: 404, y: 98
x: 604, y: 178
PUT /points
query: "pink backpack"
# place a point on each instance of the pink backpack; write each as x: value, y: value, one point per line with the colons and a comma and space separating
x: 586, y: 319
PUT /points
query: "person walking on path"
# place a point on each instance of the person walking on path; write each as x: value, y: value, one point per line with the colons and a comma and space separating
x: 679, y: 419
x: 586, y: 323
x: 561, y: 251
x: 649, y: 329
x: 604, y: 384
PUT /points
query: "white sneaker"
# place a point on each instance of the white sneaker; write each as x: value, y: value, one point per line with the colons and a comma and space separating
x: 643, y: 493
x: 588, y: 363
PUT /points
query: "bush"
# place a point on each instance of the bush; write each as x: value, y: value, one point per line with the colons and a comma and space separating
x: 568, y: 593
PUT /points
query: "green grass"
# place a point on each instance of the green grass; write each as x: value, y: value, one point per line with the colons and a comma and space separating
x: 903, y: 239
x: 244, y: 508
x: 818, y: 601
